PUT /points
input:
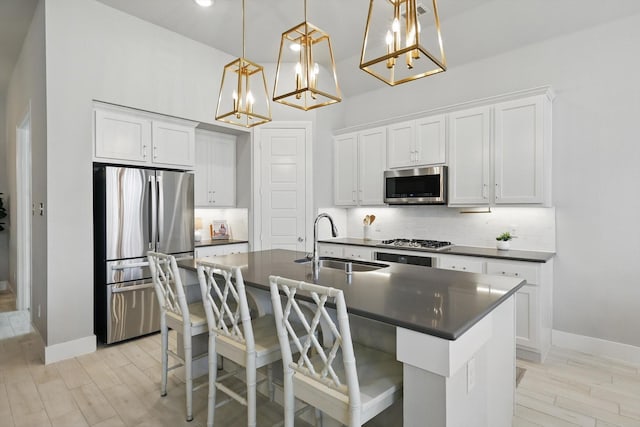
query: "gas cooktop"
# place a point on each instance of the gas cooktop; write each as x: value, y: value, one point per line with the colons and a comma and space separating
x: 416, y: 243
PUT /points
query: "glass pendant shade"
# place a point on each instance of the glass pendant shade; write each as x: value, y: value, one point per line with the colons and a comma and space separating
x: 244, y: 98
x: 402, y: 41
x: 306, y: 73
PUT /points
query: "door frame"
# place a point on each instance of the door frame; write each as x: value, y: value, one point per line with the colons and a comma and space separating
x: 256, y: 171
x: 24, y: 211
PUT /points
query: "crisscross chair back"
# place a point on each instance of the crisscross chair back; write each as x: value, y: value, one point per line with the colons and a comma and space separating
x: 228, y: 310
x: 322, y: 367
x: 167, y: 283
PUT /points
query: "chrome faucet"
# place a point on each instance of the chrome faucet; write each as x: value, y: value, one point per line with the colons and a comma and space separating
x: 334, y: 233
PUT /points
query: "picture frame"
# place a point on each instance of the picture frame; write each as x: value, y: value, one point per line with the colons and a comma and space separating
x: 221, y: 230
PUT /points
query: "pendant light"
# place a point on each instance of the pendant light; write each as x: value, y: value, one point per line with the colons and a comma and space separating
x: 402, y: 41
x: 306, y: 71
x: 244, y: 98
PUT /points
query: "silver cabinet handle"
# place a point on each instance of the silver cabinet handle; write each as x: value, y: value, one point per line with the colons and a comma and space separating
x: 353, y: 195
x: 155, y: 151
x: 484, y: 191
x: 300, y: 239
x: 144, y: 151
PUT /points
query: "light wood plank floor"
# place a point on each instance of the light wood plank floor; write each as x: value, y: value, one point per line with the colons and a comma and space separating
x: 7, y: 301
x: 119, y: 386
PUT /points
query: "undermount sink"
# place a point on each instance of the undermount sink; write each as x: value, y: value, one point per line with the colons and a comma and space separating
x: 346, y: 265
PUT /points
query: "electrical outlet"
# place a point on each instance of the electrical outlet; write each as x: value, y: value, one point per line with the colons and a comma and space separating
x: 513, y: 230
x: 471, y: 374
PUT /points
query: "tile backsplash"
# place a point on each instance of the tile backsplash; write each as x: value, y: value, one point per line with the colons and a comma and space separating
x: 535, y: 228
x: 238, y: 220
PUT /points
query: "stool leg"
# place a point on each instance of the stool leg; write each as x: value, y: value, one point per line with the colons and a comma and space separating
x: 213, y: 372
x: 188, y: 374
x: 272, y: 388
x: 251, y: 389
x: 165, y: 354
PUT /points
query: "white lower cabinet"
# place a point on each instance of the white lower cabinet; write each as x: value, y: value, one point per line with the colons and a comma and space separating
x: 336, y: 251
x: 358, y: 252
x: 533, y: 305
x: 461, y: 263
x: 219, y: 250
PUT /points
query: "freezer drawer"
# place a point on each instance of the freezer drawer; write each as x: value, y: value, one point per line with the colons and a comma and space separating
x: 132, y: 310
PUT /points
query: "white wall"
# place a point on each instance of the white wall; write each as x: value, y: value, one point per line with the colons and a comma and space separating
x: 595, y: 160
x: 4, y: 188
x: 27, y: 89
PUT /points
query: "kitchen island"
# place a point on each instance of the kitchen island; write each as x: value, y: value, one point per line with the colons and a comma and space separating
x: 454, y: 332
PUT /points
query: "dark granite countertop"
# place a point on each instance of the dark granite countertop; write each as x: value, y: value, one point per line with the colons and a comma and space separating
x: 218, y: 242
x: 510, y: 255
x: 441, y: 303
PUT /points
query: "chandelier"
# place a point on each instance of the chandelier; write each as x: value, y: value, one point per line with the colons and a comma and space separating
x: 244, y: 98
x: 402, y: 41
x: 306, y: 71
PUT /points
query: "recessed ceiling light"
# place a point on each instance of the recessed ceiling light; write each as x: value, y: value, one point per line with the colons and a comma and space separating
x: 204, y: 3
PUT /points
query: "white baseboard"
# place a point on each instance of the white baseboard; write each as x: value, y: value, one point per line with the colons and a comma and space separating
x: 596, y: 346
x: 67, y: 350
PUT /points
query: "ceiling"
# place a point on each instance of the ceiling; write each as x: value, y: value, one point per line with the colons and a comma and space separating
x: 471, y: 29
x: 15, y: 17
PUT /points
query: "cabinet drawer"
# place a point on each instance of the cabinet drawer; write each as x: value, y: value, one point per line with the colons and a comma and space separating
x: 461, y: 264
x: 514, y: 269
x: 358, y: 252
x: 331, y: 250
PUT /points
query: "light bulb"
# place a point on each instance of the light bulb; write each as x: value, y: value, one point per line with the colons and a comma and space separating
x: 316, y: 69
x: 204, y: 3
x: 298, y: 69
x: 295, y: 47
x: 389, y: 38
x: 395, y: 26
x: 250, y: 99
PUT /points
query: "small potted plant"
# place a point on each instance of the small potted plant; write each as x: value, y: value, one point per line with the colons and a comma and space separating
x: 503, y: 241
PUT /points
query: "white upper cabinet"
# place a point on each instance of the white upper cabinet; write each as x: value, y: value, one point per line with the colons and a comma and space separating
x: 122, y: 136
x: 501, y: 154
x: 173, y: 144
x: 215, y: 180
x: 360, y: 160
x: 372, y: 161
x: 345, y: 181
x: 417, y: 142
x: 469, y: 156
x: 131, y: 137
x: 519, y: 151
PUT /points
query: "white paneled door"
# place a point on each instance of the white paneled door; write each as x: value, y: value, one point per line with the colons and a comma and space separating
x: 283, y: 188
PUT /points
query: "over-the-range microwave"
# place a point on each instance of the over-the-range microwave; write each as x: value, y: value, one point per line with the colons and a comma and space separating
x: 417, y: 186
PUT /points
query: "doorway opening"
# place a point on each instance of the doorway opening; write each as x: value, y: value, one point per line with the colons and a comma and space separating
x: 23, y: 212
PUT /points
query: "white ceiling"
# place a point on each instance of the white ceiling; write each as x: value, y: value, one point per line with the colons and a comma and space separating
x: 15, y: 17
x: 471, y: 29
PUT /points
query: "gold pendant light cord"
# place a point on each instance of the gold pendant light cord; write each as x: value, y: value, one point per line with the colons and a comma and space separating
x: 305, y: 10
x: 243, y: 31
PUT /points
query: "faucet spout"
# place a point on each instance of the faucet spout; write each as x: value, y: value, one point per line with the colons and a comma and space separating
x: 334, y: 233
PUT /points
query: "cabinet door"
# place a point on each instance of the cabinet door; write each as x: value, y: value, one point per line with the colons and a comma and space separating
x: 122, y: 136
x: 345, y: 180
x: 372, y: 148
x: 527, y: 317
x: 173, y: 144
x: 519, y: 138
x: 202, y: 191
x: 401, y: 145
x: 223, y: 171
x: 469, y: 161
x: 431, y: 143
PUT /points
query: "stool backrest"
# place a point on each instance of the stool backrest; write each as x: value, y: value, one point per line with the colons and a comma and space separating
x: 167, y: 283
x: 225, y: 301
x: 315, y: 297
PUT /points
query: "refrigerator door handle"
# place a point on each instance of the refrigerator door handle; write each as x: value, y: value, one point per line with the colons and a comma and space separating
x: 160, y: 210
x: 152, y: 213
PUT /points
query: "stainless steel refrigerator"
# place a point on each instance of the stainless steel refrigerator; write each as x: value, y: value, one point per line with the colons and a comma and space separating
x: 135, y: 211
